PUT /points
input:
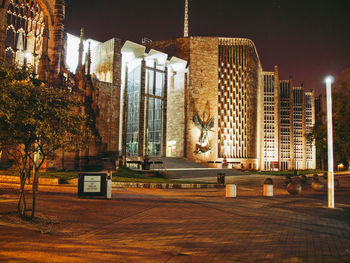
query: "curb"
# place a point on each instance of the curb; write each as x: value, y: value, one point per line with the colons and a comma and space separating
x: 165, y: 185
x: 15, y: 179
x: 55, y: 181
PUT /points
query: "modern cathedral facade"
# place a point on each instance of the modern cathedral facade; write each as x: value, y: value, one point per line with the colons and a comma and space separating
x: 205, y: 99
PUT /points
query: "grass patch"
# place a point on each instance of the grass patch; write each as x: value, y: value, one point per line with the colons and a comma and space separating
x: 63, y: 176
x: 122, y: 175
x: 128, y: 175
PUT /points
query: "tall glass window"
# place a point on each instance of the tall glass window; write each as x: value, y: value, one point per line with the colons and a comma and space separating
x: 132, y: 131
x: 155, y: 127
x: 154, y: 92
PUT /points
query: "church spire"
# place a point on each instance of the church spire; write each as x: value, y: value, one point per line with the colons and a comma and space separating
x: 81, y: 49
x: 186, y: 19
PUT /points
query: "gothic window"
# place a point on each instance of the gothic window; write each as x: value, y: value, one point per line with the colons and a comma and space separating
x: 9, y: 54
x: 9, y: 18
x: 24, y: 36
x: 10, y: 37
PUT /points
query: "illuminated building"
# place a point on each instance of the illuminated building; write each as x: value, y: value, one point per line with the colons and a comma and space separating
x: 297, y: 117
x: 147, y: 79
x: 232, y: 66
x: 310, y: 120
x: 271, y: 131
x: 205, y: 99
x: 286, y: 125
x: 299, y: 140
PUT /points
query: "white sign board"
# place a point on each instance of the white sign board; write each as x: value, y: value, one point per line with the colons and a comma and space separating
x: 92, y: 178
x: 92, y: 184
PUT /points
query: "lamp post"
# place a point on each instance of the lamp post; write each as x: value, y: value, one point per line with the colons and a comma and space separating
x: 329, y: 80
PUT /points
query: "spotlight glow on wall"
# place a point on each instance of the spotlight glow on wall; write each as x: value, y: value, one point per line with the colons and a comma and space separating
x: 72, y: 51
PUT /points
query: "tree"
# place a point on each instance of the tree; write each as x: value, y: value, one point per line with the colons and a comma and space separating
x: 341, y: 119
x: 341, y: 123
x: 319, y: 136
x: 36, y: 118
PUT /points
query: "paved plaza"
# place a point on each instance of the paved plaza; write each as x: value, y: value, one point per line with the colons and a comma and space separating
x: 179, y: 225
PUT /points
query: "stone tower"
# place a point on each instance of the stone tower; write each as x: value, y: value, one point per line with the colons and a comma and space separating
x: 186, y: 19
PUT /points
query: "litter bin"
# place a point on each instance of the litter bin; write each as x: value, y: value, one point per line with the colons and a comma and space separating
x: 221, y: 178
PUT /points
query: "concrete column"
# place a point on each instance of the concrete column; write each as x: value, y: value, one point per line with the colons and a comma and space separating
x: 125, y: 112
x: 291, y: 110
x: 186, y: 114
x: 277, y: 116
x: 142, y: 110
x: 165, y: 103
x: 44, y: 66
x: 56, y: 43
x: 303, y: 128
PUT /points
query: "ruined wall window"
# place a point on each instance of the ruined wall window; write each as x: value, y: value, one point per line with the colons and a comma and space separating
x: 25, y: 27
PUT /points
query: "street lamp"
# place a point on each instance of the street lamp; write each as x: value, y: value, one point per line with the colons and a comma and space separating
x: 329, y: 80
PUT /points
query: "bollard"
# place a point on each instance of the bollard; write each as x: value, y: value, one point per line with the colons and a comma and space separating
x: 109, y: 187
x: 317, y: 185
x: 268, y: 187
x: 231, y: 190
x: 294, y: 188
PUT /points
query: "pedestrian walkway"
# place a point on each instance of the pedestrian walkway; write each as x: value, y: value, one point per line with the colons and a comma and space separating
x: 178, y: 225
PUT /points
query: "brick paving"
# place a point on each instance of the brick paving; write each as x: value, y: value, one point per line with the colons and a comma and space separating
x: 180, y: 225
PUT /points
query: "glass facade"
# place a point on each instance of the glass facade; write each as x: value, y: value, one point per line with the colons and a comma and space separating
x: 285, y: 124
x: 132, y: 130
x: 269, y: 153
x: 152, y: 114
x: 298, y: 126
x: 154, y: 94
x: 309, y: 123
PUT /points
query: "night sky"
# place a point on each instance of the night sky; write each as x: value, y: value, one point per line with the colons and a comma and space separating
x: 307, y: 39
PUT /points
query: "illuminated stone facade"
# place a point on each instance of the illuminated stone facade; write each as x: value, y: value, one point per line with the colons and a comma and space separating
x: 224, y: 83
x: 297, y: 117
x: 299, y: 140
x: 270, y: 158
x: 286, y: 125
x: 310, y: 120
x: 202, y: 98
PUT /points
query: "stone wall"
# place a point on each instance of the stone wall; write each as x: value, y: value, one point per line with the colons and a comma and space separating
x: 107, y: 120
x: 202, y: 95
x: 107, y: 95
x: 199, y: 97
x: 176, y: 111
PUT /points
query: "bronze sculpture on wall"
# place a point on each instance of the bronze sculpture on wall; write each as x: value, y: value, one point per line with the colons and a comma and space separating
x: 204, y: 126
